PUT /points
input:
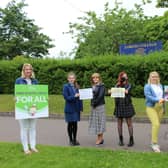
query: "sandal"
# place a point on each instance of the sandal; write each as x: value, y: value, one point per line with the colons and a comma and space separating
x: 34, y: 150
x: 28, y: 152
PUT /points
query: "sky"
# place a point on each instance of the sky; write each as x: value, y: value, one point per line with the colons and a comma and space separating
x: 54, y: 16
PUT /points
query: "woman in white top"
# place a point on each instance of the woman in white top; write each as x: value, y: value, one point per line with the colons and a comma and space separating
x: 27, y: 126
x: 154, y: 106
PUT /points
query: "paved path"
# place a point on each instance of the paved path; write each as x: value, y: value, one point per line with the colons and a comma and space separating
x: 53, y: 132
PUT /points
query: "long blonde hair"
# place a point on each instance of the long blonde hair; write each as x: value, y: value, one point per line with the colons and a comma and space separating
x: 156, y: 74
x: 23, y: 68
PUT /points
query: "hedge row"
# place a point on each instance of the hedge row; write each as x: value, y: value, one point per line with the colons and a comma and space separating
x: 54, y: 71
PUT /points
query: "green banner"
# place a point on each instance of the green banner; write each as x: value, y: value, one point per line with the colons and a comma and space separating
x: 31, y: 101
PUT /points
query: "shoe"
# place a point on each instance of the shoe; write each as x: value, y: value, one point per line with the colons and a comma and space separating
x: 101, y: 142
x: 28, y: 152
x: 121, y: 143
x: 34, y: 150
x: 155, y: 148
x: 131, y: 142
x: 76, y: 143
x: 71, y: 143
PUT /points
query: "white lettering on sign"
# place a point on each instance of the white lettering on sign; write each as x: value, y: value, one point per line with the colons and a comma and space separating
x: 25, y: 99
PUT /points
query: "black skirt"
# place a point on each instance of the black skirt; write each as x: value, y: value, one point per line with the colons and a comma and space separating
x: 124, y: 108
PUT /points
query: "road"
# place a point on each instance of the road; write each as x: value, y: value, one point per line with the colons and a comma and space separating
x: 53, y: 132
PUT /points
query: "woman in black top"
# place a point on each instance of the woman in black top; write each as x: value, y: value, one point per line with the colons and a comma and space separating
x: 97, y: 119
x: 124, y: 108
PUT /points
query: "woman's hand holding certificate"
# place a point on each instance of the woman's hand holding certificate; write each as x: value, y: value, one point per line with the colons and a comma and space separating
x: 118, y: 92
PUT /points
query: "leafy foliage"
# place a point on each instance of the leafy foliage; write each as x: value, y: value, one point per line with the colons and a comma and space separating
x: 19, y: 35
x: 54, y: 72
x: 101, y: 35
x: 157, y: 29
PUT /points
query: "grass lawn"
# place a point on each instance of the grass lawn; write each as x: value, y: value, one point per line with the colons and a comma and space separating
x: 56, y: 105
x: 11, y: 156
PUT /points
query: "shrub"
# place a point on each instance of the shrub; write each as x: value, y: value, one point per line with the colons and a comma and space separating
x: 54, y: 71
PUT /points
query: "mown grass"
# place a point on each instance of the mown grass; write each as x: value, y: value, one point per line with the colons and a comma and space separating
x: 11, y: 156
x: 56, y: 105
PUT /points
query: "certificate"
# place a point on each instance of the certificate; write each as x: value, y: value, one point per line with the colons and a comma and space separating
x: 166, y: 92
x: 118, y: 92
x: 85, y: 93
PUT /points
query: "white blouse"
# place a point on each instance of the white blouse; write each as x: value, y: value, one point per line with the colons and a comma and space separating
x: 28, y: 81
x: 158, y: 90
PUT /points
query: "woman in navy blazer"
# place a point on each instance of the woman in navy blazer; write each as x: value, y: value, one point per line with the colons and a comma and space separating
x: 73, y: 107
x: 27, y: 126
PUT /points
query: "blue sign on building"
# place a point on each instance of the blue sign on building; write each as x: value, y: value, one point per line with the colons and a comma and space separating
x: 140, y: 48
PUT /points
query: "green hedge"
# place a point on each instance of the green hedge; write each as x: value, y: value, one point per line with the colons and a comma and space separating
x: 54, y: 71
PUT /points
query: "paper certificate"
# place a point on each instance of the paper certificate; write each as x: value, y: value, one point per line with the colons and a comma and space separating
x: 86, y: 93
x: 31, y: 101
x: 118, y: 92
x: 166, y: 92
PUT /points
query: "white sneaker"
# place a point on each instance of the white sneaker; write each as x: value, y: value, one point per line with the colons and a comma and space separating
x: 155, y: 148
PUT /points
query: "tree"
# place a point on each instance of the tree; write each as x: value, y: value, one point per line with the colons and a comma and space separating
x: 162, y: 4
x: 157, y: 29
x: 103, y: 35
x: 19, y: 35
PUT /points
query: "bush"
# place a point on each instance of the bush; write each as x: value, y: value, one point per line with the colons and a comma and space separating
x: 54, y: 71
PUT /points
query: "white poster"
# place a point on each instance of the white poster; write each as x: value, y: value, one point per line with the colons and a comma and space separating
x: 118, y: 92
x: 86, y: 93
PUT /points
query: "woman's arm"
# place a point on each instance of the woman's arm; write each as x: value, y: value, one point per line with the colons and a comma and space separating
x: 149, y: 95
x: 67, y: 95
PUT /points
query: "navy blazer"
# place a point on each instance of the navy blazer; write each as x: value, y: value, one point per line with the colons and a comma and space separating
x: 72, y: 103
x: 24, y: 82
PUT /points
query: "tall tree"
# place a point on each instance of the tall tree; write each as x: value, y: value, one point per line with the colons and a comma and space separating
x: 103, y: 35
x: 157, y: 29
x: 19, y: 35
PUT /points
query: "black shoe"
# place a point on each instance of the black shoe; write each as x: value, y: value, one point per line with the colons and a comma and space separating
x: 76, y: 143
x: 71, y: 143
x: 100, y: 143
x: 131, y: 142
x: 121, y: 143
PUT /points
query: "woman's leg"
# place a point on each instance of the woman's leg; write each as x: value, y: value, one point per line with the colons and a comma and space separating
x: 69, y: 130
x: 130, y: 130
x: 32, y: 133
x: 74, y: 133
x: 23, y: 133
x: 155, y: 120
x: 120, y: 131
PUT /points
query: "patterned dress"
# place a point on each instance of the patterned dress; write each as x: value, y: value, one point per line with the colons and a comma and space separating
x: 123, y: 106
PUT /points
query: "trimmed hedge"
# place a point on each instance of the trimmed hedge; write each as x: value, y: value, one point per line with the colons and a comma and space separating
x: 54, y: 71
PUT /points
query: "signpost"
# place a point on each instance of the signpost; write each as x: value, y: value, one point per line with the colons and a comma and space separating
x: 140, y: 48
